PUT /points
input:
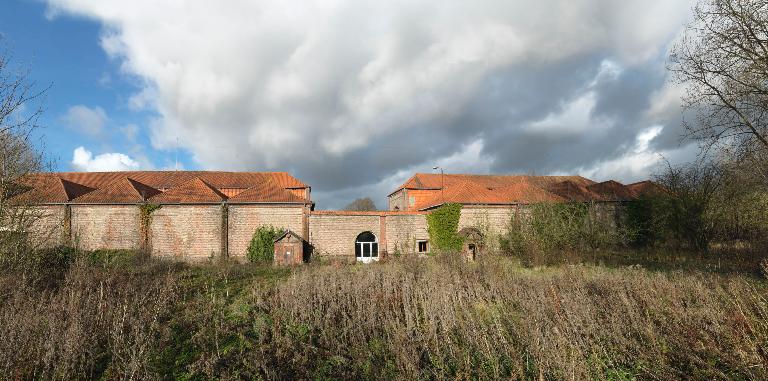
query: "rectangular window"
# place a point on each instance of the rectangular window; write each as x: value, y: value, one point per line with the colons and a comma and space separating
x: 422, y: 246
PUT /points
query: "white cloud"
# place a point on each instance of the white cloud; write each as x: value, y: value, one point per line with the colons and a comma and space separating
x: 636, y: 163
x: 84, y: 160
x: 364, y: 85
x: 86, y: 120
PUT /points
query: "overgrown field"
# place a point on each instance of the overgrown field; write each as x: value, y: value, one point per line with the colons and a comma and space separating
x: 114, y: 316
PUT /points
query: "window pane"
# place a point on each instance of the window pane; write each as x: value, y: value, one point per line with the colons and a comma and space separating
x: 366, y: 249
x: 375, y: 250
x: 357, y: 249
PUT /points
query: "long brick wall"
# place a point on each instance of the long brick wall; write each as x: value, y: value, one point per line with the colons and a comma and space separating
x: 243, y: 220
x: 188, y: 232
x: 106, y: 226
x: 200, y: 232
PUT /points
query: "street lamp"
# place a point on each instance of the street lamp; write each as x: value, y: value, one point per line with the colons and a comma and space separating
x: 442, y: 183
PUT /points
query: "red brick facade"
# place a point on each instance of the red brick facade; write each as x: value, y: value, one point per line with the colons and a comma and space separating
x: 204, y: 215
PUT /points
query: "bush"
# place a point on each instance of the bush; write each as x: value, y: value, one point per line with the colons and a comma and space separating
x: 262, y: 246
x: 549, y: 227
x: 443, y: 228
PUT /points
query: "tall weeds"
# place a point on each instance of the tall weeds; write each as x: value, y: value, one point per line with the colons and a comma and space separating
x: 406, y: 319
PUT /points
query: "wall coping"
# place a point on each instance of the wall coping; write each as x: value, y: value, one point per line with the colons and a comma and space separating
x: 380, y: 213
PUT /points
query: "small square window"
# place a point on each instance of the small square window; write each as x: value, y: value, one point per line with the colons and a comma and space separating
x: 422, y: 246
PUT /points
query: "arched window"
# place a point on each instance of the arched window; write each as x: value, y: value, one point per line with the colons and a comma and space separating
x: 366, y: 247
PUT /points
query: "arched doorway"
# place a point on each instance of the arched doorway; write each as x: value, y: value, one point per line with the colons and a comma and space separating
x: 366, y: 247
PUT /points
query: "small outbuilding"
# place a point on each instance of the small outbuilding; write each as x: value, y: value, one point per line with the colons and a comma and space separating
x: 289, y: 249
x: 473, y: 242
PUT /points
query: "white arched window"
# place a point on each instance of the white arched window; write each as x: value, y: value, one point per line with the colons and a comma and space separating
x: 366, y: 247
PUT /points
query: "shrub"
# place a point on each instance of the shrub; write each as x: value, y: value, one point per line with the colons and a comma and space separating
x: 550, y: 227
x: 262, y: 246
x: 443, y: 227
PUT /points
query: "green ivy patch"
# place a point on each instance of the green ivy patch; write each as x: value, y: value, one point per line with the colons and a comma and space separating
x: 443, y: 227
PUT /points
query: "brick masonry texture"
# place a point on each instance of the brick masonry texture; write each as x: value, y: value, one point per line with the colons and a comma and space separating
x: 494, y: 220
x: 404, y: 230
x: 48, y: 229
x: 106, y: 226
x: 188, y: 232
x: 245, y: 219
x: 334, y: 235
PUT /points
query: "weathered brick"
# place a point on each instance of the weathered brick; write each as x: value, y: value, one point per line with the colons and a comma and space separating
x: 188, y: 232
x: 245, y: 219
x: 106, y: 226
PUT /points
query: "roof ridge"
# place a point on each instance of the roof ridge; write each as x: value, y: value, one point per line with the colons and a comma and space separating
x: 189, y: 184
x: 211, y: 187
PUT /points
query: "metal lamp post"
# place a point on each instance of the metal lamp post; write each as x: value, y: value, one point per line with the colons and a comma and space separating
x: 442, y: 183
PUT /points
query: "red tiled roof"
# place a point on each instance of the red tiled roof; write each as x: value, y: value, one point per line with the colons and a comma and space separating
x: 266, y: 191
x: 169, y: 179
x: 526, y: 192
x: 50, y: 189
x: 468, y: 192
x: 648, y: 188
x: 426, y: 190
x: 436, y: 181
x: 179, y: 187
x: 612, y: 191
x: 125, y: 190
x: 193, y: 191
x: 573, y: 192
x: 464, y: 192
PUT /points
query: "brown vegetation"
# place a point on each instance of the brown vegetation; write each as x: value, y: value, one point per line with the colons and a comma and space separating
x: 112, y: 316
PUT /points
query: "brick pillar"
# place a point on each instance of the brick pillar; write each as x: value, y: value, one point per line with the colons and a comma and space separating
x: 144, y: 221
x: 224, y: 230
x: 305, y: 222
x: 383, y: 236
x: 66, y: 233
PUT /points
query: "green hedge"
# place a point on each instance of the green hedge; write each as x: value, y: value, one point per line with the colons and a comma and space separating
x: 443, y: 226
x: 262, y: 246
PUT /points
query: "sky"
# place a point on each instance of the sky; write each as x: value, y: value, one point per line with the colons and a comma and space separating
x: 354, y: 96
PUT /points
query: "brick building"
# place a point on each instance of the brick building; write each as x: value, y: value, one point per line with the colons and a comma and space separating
x: 196, y: 215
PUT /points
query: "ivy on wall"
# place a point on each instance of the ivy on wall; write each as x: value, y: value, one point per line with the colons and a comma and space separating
x: 443, y: 227
x: 145, y: 218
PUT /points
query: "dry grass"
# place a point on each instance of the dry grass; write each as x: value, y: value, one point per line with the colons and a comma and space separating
x: 408, y: 319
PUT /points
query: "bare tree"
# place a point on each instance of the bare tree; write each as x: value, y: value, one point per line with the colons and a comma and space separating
x: 361, y: 204
x: 722, y: 60
x: 20, y: 159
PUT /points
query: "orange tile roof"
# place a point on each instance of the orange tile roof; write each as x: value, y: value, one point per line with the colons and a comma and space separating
x: 50, y: 189
x: 125, y: 190
x: 193, y: 191
x: 267, y: 191
x: 179, y: 187
x: 464, y: 192
x: 612, y: 191
x: 426, y: 190
x: 169, y: 179
x: 573, y: 191
x: 436, y: 181
x: 648, y: 188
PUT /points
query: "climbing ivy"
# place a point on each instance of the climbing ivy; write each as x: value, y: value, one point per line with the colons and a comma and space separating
x: 145, y: 211
x: 443, y: 226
